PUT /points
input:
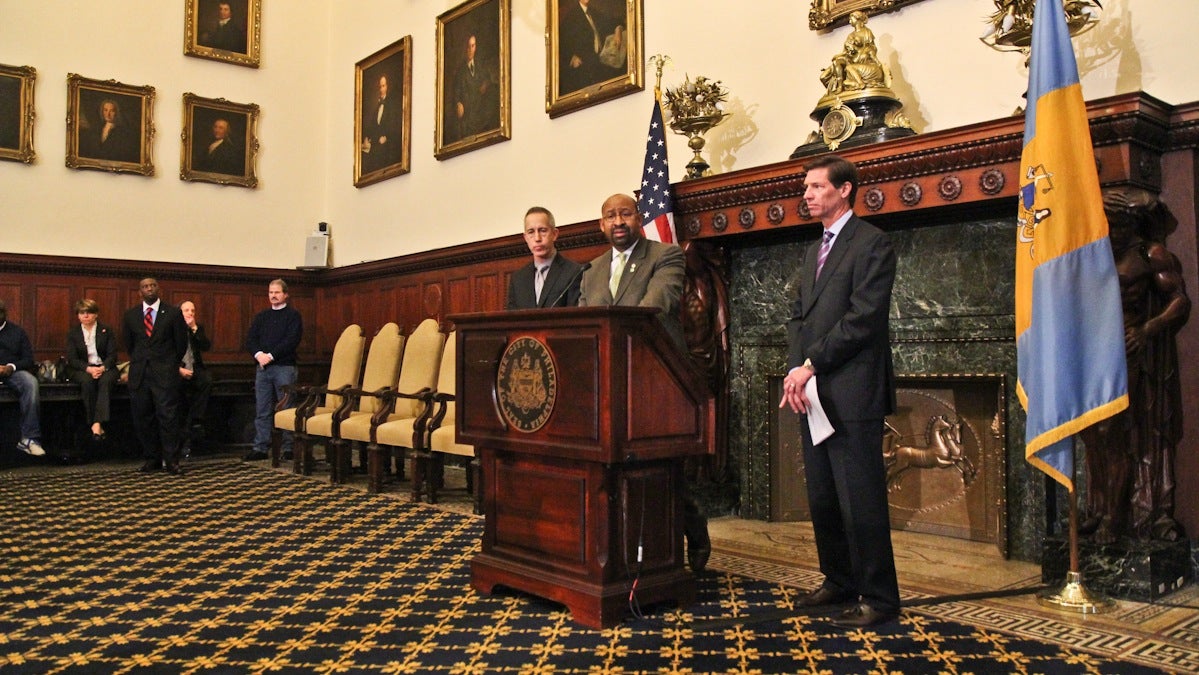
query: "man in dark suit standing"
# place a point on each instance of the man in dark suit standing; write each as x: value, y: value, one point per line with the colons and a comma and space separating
x: 551, y: 280
x: 638, y: 272
x: 838, y: 333
x: 156, y: 339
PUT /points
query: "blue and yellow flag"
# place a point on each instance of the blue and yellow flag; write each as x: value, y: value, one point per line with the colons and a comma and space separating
x: 1069, y: 322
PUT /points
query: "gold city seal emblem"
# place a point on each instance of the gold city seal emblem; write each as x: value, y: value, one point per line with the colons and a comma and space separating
x: 527, y: 383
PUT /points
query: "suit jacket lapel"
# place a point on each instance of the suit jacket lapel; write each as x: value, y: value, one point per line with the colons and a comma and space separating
x: 841, y: 244
x: 548, y: 292
x: 630, y: 268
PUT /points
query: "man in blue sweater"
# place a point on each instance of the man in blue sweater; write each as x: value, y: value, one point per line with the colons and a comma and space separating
x: 16, y: 360
x: 273, y: 339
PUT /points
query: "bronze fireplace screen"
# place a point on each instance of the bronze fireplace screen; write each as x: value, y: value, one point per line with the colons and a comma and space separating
x: 944, y: 449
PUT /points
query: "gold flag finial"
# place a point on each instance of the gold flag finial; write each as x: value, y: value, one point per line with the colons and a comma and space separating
x: 658, y: 61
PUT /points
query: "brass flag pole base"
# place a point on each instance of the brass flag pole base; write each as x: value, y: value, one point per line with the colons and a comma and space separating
x: 1074, y: 597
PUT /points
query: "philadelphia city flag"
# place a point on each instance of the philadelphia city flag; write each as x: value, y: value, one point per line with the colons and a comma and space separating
x: 1069, y: 320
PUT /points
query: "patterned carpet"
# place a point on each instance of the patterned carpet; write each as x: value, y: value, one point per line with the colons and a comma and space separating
x: 238, y: 568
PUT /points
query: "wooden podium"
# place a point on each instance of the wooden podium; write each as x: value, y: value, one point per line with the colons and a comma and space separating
x: 582, y: 418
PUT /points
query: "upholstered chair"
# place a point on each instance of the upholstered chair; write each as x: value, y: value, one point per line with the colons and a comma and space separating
x: 440, y: 441
x: 393, y: 429
x: 345, y: 369
x: 382, y: 364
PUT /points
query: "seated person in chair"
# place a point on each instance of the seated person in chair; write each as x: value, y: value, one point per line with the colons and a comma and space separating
x: 92, y: 362
x: 16, y: 362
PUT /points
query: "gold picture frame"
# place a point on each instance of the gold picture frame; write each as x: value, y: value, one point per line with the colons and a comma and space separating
x: 110, y: 126
x: 220, y: 141
x: 223, y: 30
x: 383, y: 113
x: 17, y: 113
x: 594, y: 58
x: 474, y: 105
x: 831, y: 13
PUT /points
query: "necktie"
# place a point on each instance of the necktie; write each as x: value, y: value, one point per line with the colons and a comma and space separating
x: 149, y: 321
x: 614, y: 282
x: 189, y: 358
x: 824, y: 249
x: 539, y: 281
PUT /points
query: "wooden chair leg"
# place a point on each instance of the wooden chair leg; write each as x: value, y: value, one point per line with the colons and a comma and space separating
x: 436, y: 477
x: 339, y: 459
x: 400, y: 457
x: 276, y: 447
x: 301, y: 457
x: 377, y: 458
x: 420, y: 474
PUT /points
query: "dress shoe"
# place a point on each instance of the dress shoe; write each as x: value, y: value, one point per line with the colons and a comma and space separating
x: 150, y: 466
x: 862, y: 615
x: 254, y: 456
x: 174, y: 469
x: 823, y: 596
x: 697, y: 558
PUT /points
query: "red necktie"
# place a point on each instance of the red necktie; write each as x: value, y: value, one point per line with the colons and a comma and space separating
x: 149, y: 321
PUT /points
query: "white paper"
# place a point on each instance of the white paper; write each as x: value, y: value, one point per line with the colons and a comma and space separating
x: 818, y: 423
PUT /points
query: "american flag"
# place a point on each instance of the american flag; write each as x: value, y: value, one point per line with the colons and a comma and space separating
x: 655, y: 203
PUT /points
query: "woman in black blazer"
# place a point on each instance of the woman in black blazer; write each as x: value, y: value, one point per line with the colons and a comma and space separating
x: 92, y: 362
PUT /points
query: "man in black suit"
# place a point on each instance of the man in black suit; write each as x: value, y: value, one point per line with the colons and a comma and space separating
x: 551, y: 280
x: 197, y: 383
x: 156, y: 340
x: 382, y: 126
x: 838, y: 333
x: 639, y: 272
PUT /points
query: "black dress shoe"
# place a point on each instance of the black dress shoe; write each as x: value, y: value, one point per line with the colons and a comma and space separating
x: 697, y: 558
x: 254, y: 456
x: 150, y: 466
x: 862, y: 615
x: 823, y: 596
x: 174, y: 469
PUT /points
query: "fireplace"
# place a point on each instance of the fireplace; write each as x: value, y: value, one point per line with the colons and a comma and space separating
x: 944, y: 453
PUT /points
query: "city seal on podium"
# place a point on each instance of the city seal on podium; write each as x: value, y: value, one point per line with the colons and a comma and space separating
x: 527, y: 383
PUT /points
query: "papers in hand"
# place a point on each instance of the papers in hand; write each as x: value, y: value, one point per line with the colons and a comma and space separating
x: 818, y: 423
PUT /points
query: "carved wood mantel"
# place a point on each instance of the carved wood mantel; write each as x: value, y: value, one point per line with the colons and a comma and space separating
x: 935, y: 175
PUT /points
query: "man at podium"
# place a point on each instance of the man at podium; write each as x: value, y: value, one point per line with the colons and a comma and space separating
x: 639, y: 272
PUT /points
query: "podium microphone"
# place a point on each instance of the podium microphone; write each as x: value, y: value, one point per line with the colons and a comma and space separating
x: 578, y: 275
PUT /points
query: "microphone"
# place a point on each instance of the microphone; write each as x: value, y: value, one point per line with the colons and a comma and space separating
x: 578, y: 275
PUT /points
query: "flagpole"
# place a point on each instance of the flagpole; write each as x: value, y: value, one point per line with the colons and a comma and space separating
x: 658, y: 61
x: 1073, y: 596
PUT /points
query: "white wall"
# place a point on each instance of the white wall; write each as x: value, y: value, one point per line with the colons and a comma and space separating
x: 761, y: 49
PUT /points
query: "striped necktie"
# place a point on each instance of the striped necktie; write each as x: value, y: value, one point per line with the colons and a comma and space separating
x: 149, y: 321
x: 824, y: 249
x: 539, y: 281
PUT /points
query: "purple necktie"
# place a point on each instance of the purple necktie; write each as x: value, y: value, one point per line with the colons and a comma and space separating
x: 824, y: 248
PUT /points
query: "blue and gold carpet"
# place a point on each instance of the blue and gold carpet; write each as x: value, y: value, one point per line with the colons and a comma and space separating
x: 236, y: 568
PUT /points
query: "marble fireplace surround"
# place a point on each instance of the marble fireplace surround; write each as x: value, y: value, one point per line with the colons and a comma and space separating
x: 949, y: 201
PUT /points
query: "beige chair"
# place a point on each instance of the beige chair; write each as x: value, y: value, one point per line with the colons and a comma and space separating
x: 439, y: 438
x: 382, y: 363
x: 394, y: 426
x: 345, y: 369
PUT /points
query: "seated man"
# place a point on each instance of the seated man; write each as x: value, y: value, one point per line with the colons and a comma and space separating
x: 197, y: 383
x: 16, y: 362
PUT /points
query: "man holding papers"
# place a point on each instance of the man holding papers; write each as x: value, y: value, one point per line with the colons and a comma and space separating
x: 838, y: 336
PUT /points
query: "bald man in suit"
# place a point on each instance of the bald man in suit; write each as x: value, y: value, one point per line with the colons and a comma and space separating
x: 156, y: 340
x: 650, y: 275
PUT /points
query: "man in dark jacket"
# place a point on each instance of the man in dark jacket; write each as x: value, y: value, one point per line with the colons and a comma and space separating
x: 16, y: 362
x: 273, y: 339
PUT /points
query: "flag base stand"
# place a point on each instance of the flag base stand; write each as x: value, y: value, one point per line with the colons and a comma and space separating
x: 1074, y: 597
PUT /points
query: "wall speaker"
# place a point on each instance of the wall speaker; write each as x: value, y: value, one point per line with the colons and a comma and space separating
x: 316, y: 252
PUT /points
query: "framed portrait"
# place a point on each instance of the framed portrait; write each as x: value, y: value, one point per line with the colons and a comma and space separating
x: 831, y: 13
x: 219, y: 141
x: 16, y: 112
x: 593, y: 52
x: 110, y: 126
x: 383, y: 113
x: 474, y: 81
x: 223, y: 30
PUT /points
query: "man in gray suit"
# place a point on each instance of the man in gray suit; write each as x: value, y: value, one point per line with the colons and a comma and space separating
x: 838, y: 333
x: 638, y: 272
